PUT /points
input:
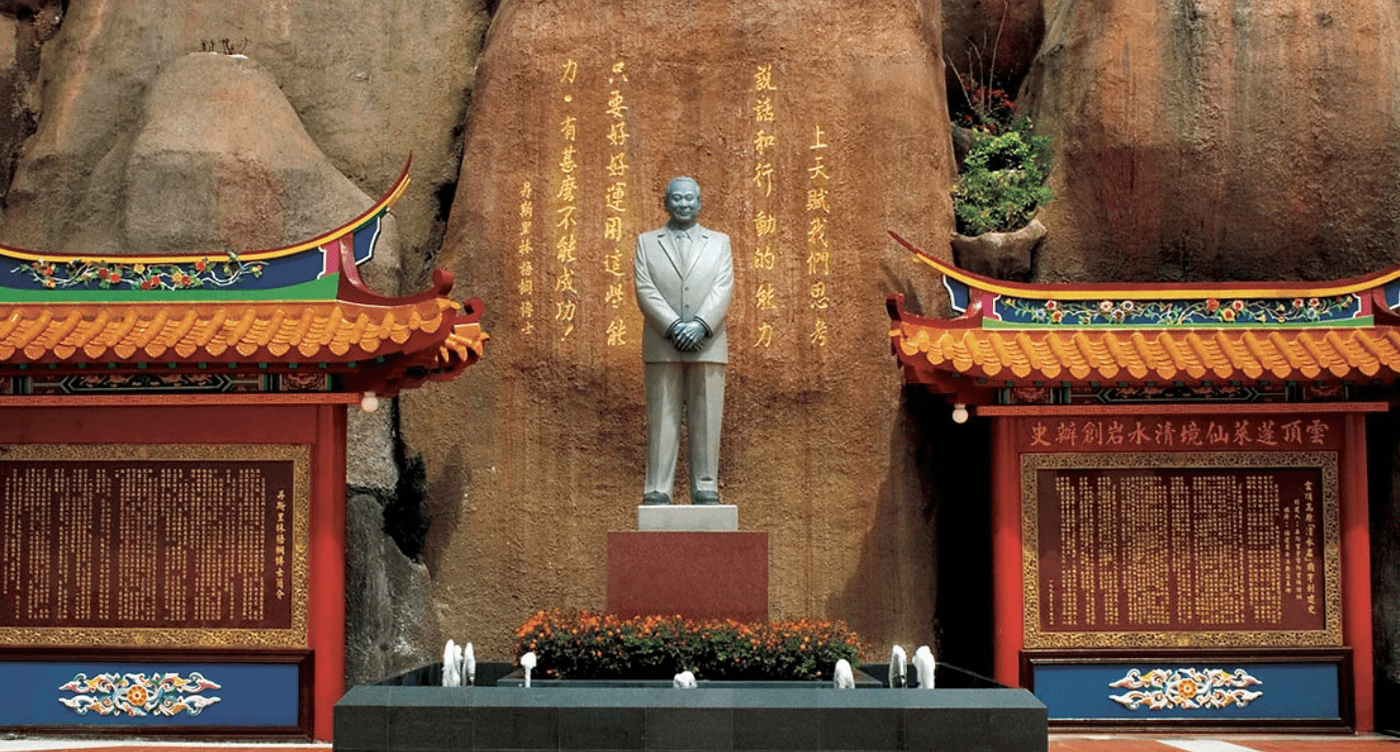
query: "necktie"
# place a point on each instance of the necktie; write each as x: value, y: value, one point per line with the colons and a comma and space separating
x: 683, y: 246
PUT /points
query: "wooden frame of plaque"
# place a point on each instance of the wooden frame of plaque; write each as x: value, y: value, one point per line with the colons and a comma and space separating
x: 1167, y: 480
x: 270, y: 557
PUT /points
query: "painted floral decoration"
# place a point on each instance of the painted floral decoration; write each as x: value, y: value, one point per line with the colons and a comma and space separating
x: 1207, y: 312
x: 1186, y: 689
x: 138, y: 694
x: 139, y: 275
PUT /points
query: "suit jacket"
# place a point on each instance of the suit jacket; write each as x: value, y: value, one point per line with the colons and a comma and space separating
x: 666, y: 293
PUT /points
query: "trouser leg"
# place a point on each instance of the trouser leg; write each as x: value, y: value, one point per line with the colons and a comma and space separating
x: 664, y: 396
x: 704, y: 413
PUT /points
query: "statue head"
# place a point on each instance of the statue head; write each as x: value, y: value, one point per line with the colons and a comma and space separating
x: 682, y: 201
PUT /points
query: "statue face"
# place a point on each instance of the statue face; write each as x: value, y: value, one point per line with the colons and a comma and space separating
x: 683, y: 201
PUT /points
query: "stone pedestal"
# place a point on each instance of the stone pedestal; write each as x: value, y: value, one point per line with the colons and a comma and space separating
x: 696, y: 573
x: 689, y: 518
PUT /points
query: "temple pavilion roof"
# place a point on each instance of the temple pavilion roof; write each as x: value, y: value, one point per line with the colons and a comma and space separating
x: 302, y: 309
x: 1011, y: 335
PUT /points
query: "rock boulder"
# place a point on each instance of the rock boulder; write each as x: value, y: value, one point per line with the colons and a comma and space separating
x: 372, y: 82
x: 391, y: 623
x: 812, y: 127
x: 991, y: 40
x: 1212, y: 140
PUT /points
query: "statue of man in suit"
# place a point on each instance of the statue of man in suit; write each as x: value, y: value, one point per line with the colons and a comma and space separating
x: 685, y: 279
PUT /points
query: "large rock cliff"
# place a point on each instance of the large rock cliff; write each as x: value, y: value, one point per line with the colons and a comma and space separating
x: 812, y: 128
x: 1217, y: 140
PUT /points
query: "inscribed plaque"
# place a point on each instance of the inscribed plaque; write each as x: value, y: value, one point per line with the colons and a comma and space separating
x: 153, y: 545
x: 1181, y: 549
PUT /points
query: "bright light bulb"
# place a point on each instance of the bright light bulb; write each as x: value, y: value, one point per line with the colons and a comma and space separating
x: 370, y: 402
x: 959, y: 413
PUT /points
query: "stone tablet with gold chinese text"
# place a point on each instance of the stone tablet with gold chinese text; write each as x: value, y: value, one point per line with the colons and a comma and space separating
x: 153, y: 545
x: 1178, y: 549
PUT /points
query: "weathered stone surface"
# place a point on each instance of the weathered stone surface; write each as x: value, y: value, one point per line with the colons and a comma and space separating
x: 201, y: 173
x: 24, y: 27
x: 369, y: 448
x: 1000, y: 255
x: 992, y: 40
x: 372, y: 81
x: 536, y: 453
x: 963, y: 141
x: 1217, y: 140
x: 391, y: 622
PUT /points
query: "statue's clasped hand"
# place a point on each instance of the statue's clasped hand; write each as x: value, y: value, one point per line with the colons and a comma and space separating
x: 689, y: 336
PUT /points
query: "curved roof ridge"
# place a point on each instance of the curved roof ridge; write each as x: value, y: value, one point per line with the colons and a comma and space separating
x: 1154, y: 290
x: 380, y: 206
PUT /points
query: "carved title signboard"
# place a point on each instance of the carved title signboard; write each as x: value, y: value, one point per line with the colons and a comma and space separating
x: 153, y: 545
x: 1181, y: 549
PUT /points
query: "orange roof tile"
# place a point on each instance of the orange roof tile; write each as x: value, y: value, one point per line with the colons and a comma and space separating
x: 1149, y: 355
x: 335, y: 330
x: 1012, y: 334
x: 320, y: 314
x: 465, y: 343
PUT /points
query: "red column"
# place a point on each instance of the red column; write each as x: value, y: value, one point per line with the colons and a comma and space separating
x: 1356, y: 570
x: 1009, y: 633
x: 325, y: 619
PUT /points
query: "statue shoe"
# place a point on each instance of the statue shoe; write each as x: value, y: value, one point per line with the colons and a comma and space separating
x: 655, y: 499
x: 705, y: 497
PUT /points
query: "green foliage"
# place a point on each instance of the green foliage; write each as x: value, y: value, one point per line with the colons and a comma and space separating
x: 1003, y: 180
x: 585, y: 645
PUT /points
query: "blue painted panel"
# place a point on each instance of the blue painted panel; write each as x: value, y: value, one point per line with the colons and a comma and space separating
x: 365, y: 239
x: 1287, y: 690
x: 1392, y: 293
x: 958, y: 294
x: 249, y: 694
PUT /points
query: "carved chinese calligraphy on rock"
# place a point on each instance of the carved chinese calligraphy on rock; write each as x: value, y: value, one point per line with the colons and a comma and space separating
x: 807, y: 159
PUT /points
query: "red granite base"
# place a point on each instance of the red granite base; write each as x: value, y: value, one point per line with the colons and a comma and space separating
x: 697, y: 575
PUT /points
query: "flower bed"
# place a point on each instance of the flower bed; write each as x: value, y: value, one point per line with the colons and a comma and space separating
x: 587, y: 645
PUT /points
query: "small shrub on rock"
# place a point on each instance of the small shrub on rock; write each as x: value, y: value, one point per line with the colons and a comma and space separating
x: 1003, y: 180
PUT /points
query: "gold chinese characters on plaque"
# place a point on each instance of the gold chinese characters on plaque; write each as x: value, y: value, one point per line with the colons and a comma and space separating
x: 154, y: 545
x: 1214, y: 549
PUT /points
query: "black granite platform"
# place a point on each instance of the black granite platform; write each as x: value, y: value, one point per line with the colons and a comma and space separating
x: 429, y: 718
